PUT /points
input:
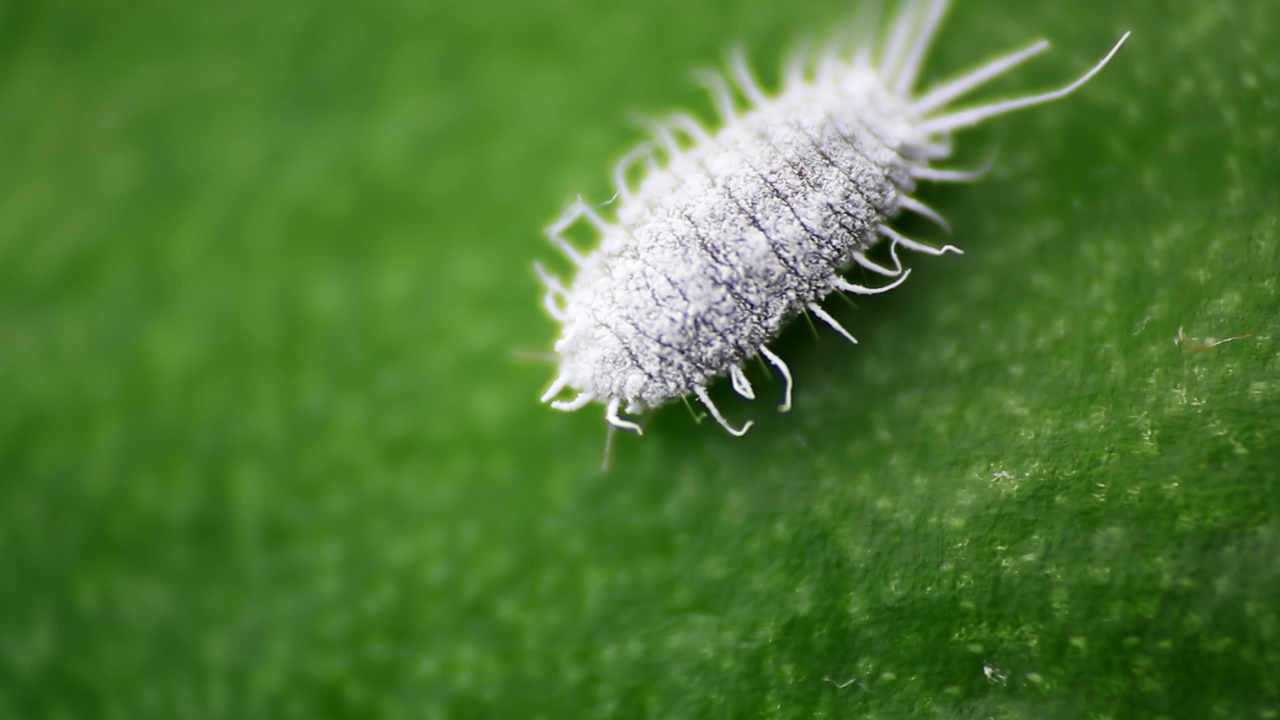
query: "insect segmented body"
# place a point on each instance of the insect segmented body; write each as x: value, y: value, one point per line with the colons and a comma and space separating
x: 741, y: 229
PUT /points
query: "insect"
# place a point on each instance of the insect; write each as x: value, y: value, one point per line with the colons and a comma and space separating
x: 731, y: 233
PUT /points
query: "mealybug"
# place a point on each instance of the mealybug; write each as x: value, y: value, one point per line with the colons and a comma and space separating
x: 740, y: 229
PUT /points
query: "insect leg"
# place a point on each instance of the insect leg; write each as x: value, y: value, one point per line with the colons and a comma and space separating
x: 840, y: 283
x: 691, y: 127
x: 910, y: 244
x: 796, y: 68
x: 922, y: 172
x: 575, y: 404
x: 624, y: 164
x: 897, y: 270
x: 556, y: 386
x: 816, y: 309
x: 721, y: 95
x: 919, y: 208
x: 740, y: 383
x: 746, y: 81
x: 786, y: 374
x: 665, y: 137
x: 701, y: 392
x: 611, y: 415
x: 555, y: 292
x: 555, y: 230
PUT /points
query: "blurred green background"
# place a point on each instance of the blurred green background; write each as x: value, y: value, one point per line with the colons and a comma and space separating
x: 267, y: 448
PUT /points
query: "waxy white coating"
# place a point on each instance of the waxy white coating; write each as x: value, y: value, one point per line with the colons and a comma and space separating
x: 743, y: 228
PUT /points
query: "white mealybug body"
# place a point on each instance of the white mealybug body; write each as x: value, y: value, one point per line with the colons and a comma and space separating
x: 713, y: 253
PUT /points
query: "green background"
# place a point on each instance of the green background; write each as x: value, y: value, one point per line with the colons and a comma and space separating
x: 268, y: 448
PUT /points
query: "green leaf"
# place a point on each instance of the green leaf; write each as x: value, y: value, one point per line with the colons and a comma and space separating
x: 271, y: 445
